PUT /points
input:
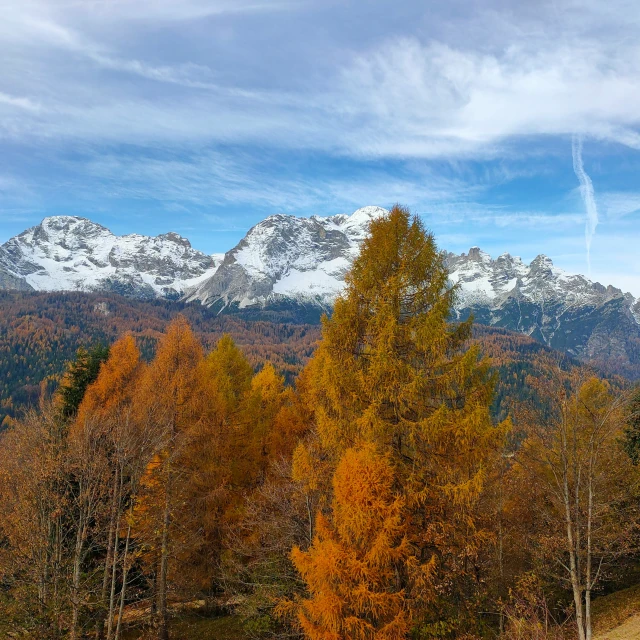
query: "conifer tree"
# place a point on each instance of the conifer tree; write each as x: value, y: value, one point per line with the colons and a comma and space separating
x: 80, y: 373
x: 393, y: 370
x: 262, y: 406
x: 215, y: 463
x: 354, y: 565
x: 171, y: 398
x: 114, y: 384
x: 632, y: 429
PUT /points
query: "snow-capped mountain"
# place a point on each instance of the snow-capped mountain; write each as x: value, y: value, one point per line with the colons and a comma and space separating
x: 285, y: 258
x: 300, y: 263
x: 567, y: 312
x: 68, y: 253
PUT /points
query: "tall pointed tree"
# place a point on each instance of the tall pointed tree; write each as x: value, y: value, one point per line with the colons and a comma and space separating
x: 215, y: 463
x: 171, y: 398
x: 80, y: 373
x: 393, y: 370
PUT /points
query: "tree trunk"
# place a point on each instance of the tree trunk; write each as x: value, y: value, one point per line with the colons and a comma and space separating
x: 114, y: 568
x: 571, y: 542
x: 123, y: 591
x: 102, y: 617
x: 163, y: 629
x: 588, y: 580
x: 77, y: 567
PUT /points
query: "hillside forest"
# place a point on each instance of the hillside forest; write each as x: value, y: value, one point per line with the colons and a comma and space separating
x: 390, y: 476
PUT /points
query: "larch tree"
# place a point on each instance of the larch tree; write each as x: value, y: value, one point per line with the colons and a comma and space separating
x: 272, y: 511
x: 262, y: 404
x: 216, y: 465
x: 361, y: 550
x: 393, y: 370
x: 52, y: 488
x: 169, y: 398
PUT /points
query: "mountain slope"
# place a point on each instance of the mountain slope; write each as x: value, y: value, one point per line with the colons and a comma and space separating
x: 67, y: 253
x: 285, y: 258
x: 298, y: 265
x: 566, y: 312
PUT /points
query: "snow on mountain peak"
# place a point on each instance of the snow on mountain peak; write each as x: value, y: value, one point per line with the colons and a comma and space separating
x: 287, y: 257
x: 365, y: 215
x: 483, y: 281
x: 70, y: 253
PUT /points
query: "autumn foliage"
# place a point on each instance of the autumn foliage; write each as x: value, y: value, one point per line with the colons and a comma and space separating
x: 364, y: 489
x: 353, y: 566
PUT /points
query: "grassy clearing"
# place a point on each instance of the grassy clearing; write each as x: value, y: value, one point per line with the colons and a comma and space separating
x: 617, y: 615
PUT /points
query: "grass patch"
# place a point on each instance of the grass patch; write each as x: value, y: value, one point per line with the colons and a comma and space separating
x: 612, y: 610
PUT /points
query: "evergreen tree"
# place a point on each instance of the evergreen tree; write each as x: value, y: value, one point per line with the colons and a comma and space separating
x: 80, y: 373
x: 632, y: 429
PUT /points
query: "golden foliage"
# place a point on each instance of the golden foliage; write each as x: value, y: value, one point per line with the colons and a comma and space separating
x: 353, y: 565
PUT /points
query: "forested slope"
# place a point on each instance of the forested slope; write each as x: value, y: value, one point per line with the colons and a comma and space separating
x: 40, y: 332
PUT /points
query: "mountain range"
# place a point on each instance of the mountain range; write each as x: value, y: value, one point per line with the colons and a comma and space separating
x: 68, y: 253
x: 287, y: 261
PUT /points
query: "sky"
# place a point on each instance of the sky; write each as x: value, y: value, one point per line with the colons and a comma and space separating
x: 513, y: 126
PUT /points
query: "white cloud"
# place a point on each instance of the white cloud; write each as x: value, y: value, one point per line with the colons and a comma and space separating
x: 412, y: 96
x: 432, y: 99
x: 618, y: 204
x: 18, y: 102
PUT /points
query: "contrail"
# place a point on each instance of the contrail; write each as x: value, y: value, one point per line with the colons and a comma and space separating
x: 588, y: 197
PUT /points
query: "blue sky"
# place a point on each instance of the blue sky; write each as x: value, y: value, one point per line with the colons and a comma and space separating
x: 204, y: 116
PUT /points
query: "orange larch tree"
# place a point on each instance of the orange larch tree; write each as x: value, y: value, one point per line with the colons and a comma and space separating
x: 169, y: 399
x: 393, y: 370
x: 354, y: 566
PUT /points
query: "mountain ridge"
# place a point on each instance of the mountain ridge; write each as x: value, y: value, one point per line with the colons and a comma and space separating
x: 286, y: 261
x: 71, y: 253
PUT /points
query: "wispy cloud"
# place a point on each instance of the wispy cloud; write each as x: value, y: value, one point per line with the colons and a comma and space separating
x: 617, y: 204
x: 461, y: 111
x: 20, y: 103
x: 398, y: 97
x: 588, y: 196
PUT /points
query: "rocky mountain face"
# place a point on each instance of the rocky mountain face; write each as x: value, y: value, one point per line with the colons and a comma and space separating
x: 285, y: 262
x: 67, y: 253
x: 569, y: 313
x: 287, y: 259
